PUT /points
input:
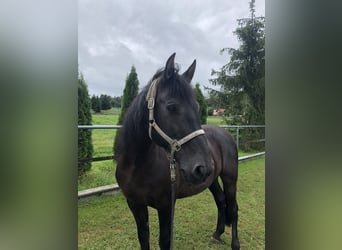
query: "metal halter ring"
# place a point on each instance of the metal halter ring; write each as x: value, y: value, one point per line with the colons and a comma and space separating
x: 175, y: 145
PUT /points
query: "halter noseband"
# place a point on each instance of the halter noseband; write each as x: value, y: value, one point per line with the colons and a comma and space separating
x: 175, y: 145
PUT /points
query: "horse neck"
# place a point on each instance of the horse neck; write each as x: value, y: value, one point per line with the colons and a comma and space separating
x: 136, y: 131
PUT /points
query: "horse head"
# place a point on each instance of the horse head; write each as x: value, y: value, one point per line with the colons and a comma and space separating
x: 174, y: 119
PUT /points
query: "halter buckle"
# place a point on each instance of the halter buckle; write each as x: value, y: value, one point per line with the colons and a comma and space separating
x: 172, y: 171
x: 150, y: 103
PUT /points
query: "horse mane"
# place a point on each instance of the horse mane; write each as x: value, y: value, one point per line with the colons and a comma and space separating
x: 133, y: 136
x: 133, y: 126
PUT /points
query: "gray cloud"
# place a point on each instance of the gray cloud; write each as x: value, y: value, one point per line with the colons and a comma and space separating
x: 114, y: 35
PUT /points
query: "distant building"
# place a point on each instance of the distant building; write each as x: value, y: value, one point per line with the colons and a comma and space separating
x: 217, y: 112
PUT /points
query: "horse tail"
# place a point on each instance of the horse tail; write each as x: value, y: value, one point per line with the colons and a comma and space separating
x: 231, y: 213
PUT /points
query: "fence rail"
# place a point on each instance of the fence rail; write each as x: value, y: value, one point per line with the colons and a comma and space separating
x: 237, y: 127
x: 111, y: 157
x: 119, y: 126
x: 99, y: 126
x: 100, y: 158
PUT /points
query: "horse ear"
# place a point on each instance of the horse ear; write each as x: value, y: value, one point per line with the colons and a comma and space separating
x: 189, y: 73
x: 170, y: 67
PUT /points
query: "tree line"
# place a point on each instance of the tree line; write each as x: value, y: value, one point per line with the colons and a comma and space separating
x: 104, y: 102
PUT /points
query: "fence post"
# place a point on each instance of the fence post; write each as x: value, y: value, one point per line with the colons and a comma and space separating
x: 237, y: 137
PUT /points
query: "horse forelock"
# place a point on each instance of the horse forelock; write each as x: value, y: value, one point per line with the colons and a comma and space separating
x: 177, y: 86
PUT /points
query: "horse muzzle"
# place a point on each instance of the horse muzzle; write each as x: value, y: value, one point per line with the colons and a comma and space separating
x: 200, y: 173
x: 196, y: 173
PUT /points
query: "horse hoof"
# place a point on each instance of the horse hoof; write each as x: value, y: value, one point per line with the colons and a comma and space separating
x: 217, y: 241
x: 235, y: 245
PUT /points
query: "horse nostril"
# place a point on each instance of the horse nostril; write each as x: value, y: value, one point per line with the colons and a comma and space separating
x: 200, y: 172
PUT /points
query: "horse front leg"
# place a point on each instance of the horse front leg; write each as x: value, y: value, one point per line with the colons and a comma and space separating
x: 140, y: 214
x: 164, y: 215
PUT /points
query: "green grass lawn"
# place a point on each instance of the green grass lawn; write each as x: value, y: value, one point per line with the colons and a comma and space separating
x: 217, y: 120
x: 106, y: 222
x: 102, y: 172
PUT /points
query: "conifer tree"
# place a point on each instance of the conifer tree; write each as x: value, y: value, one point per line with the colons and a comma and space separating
x: 96, y: 104
x: 130, y: 92
x: 106, y: 102
x: 85, y: 147
x: 242, y: 79
x: 202, y: 109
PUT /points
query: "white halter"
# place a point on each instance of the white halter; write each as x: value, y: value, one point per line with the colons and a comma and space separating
x: 174, y: 144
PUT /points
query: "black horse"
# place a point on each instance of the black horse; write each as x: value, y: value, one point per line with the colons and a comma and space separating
x: 163, y: 154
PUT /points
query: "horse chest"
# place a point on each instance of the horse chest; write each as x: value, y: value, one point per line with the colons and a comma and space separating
x: 186, y: 190
x: 142, y: 183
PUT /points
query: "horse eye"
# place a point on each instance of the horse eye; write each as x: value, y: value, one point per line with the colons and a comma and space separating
x: 172, y: 107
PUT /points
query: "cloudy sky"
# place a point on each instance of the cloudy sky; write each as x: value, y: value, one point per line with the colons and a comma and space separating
x: 113, y: 35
